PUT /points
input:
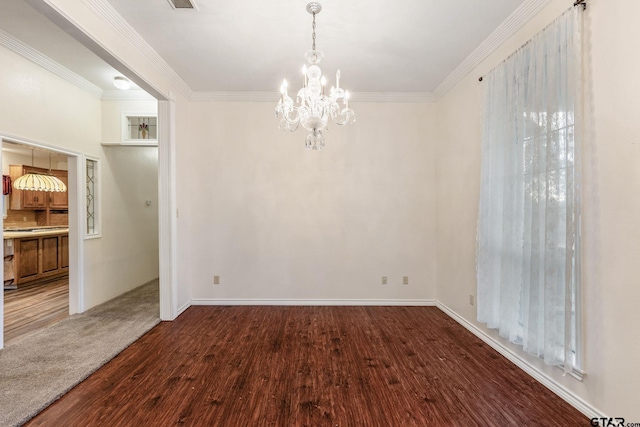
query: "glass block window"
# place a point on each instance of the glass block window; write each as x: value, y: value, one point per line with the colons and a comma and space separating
x: 141, y: 128
x: 91, y: 172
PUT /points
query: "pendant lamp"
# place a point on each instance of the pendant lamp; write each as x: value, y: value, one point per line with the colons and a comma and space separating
x: 34, y: 181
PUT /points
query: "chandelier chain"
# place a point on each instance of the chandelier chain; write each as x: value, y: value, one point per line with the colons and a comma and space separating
x: 313, y: 45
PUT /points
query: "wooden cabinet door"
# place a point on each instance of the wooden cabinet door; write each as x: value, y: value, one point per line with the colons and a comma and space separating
x: 60, y: 200
x: 64, y: 249
x: 28, y: 257
x: 50, y: 258
x: 34, y: 199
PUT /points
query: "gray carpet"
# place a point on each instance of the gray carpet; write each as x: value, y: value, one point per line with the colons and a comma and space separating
x: 38, y: 369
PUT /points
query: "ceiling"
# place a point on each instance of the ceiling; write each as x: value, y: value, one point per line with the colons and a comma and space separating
x: 250, y: 46
x: 38, y: 153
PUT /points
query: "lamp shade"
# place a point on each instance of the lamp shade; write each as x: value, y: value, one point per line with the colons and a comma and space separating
x: 39, y: 182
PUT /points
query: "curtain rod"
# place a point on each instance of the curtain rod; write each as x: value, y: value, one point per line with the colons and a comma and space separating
x: 575, y: 3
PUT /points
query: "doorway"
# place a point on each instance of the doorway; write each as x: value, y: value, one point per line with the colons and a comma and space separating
x: 36, y: 241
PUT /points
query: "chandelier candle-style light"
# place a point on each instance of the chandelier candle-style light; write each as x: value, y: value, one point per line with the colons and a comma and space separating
x: 313, y: 106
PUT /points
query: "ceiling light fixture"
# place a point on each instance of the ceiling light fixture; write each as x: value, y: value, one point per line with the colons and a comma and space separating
x: 33, y: 181
x: 122, y: 83
x: 313, y: 107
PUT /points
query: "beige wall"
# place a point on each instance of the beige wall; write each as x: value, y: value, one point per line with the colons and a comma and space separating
x: 37, y: 105
x: 277, y: 221
x: 610, y: 226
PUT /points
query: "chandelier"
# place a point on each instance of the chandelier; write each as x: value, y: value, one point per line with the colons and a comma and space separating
x: 313, y: 106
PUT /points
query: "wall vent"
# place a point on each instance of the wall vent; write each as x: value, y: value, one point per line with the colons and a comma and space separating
x: 182, y: 4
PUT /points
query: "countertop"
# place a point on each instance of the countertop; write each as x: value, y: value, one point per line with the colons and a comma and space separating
x: 35, y: 232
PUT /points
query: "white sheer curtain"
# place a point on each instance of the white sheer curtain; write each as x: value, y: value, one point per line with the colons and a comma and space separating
x: 529, y: 199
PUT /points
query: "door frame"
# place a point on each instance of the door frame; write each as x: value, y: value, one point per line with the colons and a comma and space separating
x: 76, y: 171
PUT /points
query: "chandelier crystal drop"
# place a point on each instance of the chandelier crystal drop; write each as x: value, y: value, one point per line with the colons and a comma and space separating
x: 313, y: 106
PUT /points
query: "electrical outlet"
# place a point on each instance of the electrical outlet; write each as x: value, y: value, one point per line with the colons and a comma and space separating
x: 405, y: 280
x: 384, y: 280
x: 216, y: 280
x: 472, y: 299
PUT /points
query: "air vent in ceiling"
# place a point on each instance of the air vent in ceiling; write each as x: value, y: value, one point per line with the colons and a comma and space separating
x: 182, y: 4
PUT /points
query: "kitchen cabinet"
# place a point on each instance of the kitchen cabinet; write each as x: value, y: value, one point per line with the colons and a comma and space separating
x: 60, y: 200
x: 37, y: 200
x: 38, y: 256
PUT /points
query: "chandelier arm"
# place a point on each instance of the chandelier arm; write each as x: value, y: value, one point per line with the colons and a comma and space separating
x: 291, y: 120
x: 337, y: 119
x: 343, y: 117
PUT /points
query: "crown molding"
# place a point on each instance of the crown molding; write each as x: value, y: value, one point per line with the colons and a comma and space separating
x: 392, y: 97
x: 274, y: 96
x: 48, y: 64
x: 523, y: 14
x: 107, y: 13
x: 126, y: 95
x: 235, y: 96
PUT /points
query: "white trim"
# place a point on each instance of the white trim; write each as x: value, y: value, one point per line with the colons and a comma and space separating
x: 274, y: 96
x: 126, y: 95
x: 167, y: 211
x: 131, y: 143
x: 48, y: 64
x: 77, y: 204
x: 183, y: 308
x: 325, y: 302
x: 523, y: 14
x: 564, y: 393
x: 392, y: 97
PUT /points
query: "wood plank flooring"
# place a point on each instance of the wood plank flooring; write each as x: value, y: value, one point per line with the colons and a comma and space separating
x: 309, y: 366
x: 35, y: 306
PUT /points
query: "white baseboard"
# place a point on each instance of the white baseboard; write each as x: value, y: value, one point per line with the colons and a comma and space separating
x: 373, y: 302
x: 564, y: 393
x: 183, y: 308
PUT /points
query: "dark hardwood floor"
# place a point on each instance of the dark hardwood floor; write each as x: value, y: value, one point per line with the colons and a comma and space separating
x: 34, y: 307
x: 310, y: 366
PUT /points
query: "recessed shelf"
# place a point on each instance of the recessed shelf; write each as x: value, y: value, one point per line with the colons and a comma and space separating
x: 139, y: 128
